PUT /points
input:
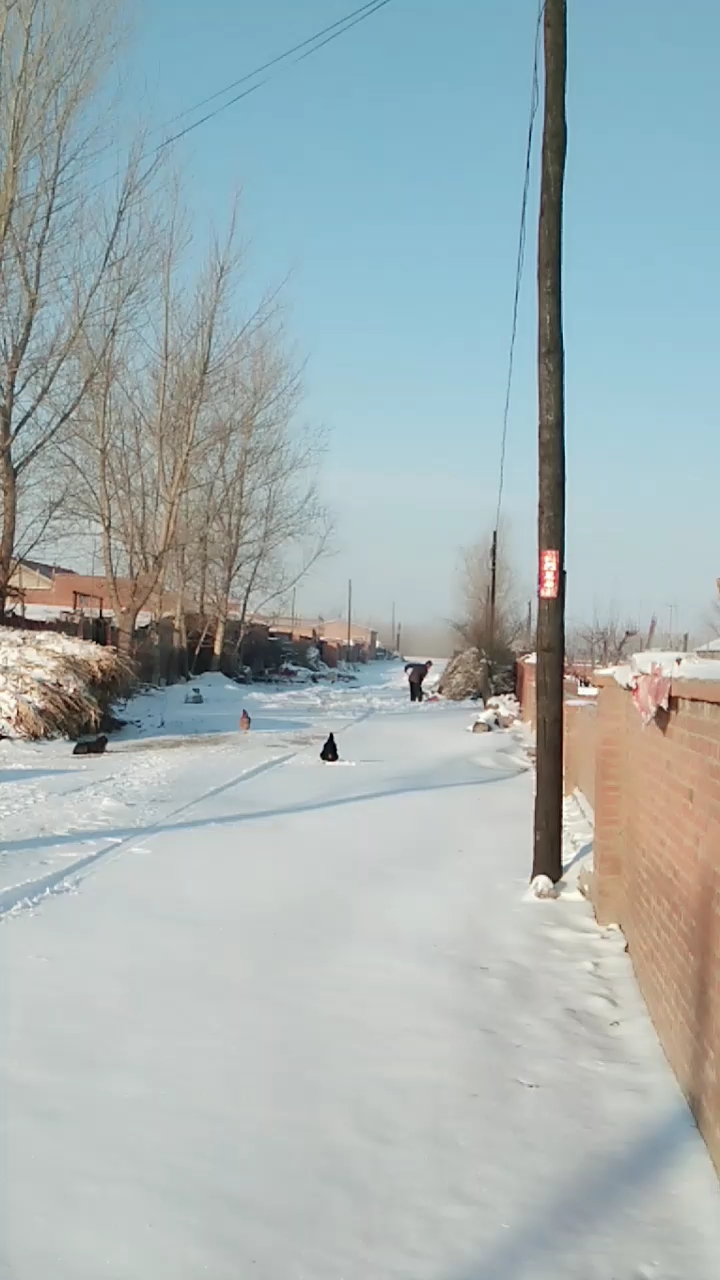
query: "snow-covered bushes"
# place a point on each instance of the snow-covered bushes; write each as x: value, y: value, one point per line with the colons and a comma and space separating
x: 52, y: 685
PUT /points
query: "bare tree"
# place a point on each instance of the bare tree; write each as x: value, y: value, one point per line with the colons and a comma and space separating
x: 604, y: 642
x: 494, y: 637
x: 264, y: 524
x: 152, y: 396
x: 60, y: 240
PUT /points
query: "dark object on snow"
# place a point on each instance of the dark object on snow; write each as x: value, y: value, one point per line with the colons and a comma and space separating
x: 330, y: 752
x: 416, y: 673
x: 95, y: 747
x: 245, y: 721
x: 194, y: 696
x: 110, y: 723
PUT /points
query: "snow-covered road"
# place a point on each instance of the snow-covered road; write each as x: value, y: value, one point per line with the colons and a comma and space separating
x: 299, y: 1022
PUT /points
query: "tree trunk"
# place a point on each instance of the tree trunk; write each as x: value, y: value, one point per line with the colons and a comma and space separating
x: 219, y: 645
x: 547, y: 859
x: 198, y: 647
x: 154, y: 637
x: 125, y: 619
x: 181, y: 640
x: 9, y: 526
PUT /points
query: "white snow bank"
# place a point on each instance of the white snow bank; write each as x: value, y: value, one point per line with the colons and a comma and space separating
x: 577, y: 854
x: 336, y: 1045
x: 53, y: 612
x: 502, y: 712
x: 674, y: 666
x: 52, y: 683
x: 586, y: 691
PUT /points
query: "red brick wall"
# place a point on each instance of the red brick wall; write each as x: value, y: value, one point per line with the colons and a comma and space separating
x: 580, y: 746
x: 525, y: 689
x: 657, y: 867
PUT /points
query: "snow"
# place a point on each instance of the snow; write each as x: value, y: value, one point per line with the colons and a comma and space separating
x: 543, y: 887
x: 678, y: 666
x: 54, y: 612
x: 33, y: 664
x: 300, y: 1022
x: 578, y: 840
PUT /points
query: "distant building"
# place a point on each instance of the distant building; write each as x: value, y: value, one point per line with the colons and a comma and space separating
x: 48, y: 592
x: 45, y: 592
x: 330, y: 637
x: 33, y: 575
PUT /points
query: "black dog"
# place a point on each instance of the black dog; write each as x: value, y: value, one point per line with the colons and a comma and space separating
x: 329, y: 752
x: 95, y: 747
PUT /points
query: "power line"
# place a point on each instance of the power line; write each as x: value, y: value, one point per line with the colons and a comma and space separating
x: 308, y: 47
x: 312, y: 44
x: 534, y: 103
x: 351, y: 19
x: 316, y: 41
x: 379, y: 4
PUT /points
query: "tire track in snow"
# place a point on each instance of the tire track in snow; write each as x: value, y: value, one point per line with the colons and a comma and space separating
x: 29, y: 893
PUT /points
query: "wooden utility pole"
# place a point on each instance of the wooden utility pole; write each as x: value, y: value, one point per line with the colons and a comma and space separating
x: 547, y: 853
x: 493, y: 593
x: 349, y: 630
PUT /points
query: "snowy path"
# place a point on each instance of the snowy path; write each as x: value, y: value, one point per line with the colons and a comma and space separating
x: 304, y: 1026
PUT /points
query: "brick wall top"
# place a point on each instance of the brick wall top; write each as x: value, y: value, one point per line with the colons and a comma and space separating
x: 689, y: 690
x: 697, y: 690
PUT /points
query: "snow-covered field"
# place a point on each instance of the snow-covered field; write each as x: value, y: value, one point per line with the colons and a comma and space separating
x: 300, y: 1022
x: 57, y: 810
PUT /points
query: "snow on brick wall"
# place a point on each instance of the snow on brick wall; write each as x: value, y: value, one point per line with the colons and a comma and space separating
x: 657, y: 870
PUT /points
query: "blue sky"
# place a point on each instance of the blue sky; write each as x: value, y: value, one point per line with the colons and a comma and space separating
x: 385, y: 175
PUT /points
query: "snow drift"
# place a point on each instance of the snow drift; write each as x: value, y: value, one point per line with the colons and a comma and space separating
x: 54, y: 685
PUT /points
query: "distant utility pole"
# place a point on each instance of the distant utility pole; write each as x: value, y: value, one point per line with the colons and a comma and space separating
x: 547, y: 852
x: 671, y: 628
x: 493, y: 592
x: 349, y: 631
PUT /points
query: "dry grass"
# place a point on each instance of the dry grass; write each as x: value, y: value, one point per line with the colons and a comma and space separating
x: 56, y: 686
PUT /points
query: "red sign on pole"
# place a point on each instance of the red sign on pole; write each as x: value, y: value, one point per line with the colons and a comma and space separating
x: 549, y: 575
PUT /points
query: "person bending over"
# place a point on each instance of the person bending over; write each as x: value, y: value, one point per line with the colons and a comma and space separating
x: 416, y: 673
